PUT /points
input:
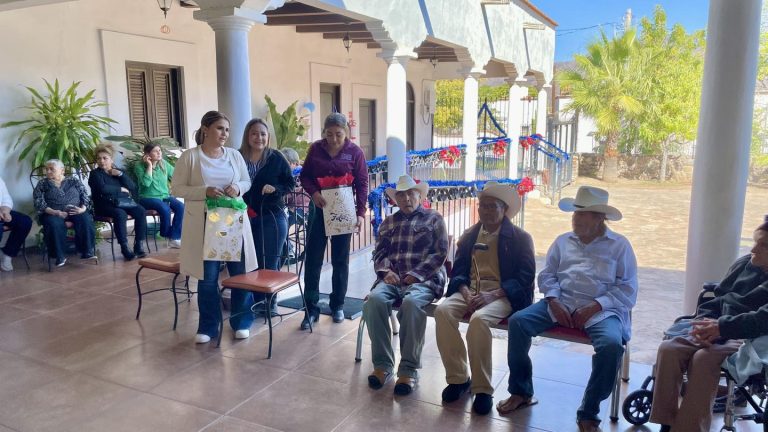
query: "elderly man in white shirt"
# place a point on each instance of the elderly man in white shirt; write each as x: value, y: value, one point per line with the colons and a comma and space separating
x: 19, y: 224
x: 589, y: 283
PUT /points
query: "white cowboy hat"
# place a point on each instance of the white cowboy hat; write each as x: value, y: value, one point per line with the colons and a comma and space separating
x: 591, y: 199
x: 406, y: 182
x: 504, y: 193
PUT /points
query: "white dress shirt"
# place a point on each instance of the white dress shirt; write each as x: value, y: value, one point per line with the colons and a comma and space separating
x: 604, y: 271
x: 5, y: 197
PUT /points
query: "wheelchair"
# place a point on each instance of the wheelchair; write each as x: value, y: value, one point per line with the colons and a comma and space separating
x: 636, y: 408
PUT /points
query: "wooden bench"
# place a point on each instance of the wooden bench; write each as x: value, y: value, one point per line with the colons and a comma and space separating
x: 558, y: 332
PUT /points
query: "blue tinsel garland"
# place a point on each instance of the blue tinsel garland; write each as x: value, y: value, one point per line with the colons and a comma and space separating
x: 377, y: 199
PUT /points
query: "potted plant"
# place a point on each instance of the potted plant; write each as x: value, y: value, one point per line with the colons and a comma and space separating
x: 288, y: 127
x: 61, y: 125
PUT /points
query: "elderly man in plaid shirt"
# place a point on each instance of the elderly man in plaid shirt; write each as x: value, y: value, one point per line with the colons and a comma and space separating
x: 410, y: 253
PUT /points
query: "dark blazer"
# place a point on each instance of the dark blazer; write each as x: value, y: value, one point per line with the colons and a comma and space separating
x: 276, y: 172
x: 105, y: 188
x: 516, y: 263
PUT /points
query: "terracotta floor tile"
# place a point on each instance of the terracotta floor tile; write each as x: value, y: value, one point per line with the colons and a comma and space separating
x: 9, y: 314
x: 218, y: 383
x: 231, y: 424
x: 20, y: 374
x: 51, y: 300
x: 63, y: 404
x: 37, y: 330
x: 156, y: 414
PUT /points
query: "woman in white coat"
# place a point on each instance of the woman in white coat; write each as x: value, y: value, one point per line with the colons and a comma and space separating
x: 212, y: 170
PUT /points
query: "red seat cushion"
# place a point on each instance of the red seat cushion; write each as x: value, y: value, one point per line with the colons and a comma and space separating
x: 262, y: 281
x: 160, y: 265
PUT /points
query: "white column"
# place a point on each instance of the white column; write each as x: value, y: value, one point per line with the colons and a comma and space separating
x: 396, y: 115
x: 722, y: 153
x: 541, y: 110
x: 469, y: 125
x: 233, y: 74
x: 514, y: 123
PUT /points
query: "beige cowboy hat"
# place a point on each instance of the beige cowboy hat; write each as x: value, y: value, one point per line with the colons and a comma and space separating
x: 406, y: 182
x: 591, y: 199
x: 505, y: 193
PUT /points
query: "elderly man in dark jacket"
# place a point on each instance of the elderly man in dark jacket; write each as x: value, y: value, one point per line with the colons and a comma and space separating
x: 738, y: 311
x: 492, y: 277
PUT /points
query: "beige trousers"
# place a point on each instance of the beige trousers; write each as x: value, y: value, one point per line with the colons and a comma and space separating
x: 451, y: 346
x: 675, y: 357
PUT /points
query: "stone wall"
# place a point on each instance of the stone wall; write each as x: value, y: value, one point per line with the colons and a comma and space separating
x: 635, y: 167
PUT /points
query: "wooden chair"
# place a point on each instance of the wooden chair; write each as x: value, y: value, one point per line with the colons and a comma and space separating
x: 172, y: 267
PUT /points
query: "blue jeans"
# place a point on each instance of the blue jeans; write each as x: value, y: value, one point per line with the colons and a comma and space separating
x: 607, y: 341
x: 209, y: 299
x: 20, y: 226
x: 163, y: 207
x: 275, y: 226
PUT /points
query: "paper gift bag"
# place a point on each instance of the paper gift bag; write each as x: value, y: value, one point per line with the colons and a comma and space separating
x: 223, y: 239
x: 339, y: 212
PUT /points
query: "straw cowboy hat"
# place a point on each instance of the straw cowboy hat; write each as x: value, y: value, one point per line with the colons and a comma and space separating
x: 504, y: 193
x: 591, y: 199
x: 404, y: 183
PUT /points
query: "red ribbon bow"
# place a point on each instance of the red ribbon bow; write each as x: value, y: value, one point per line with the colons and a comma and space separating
x: 450, y: 155
x: 526, y: 185
x: 499, y: 148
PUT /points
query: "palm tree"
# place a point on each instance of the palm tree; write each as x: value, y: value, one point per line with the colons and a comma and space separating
x: 606, y: 87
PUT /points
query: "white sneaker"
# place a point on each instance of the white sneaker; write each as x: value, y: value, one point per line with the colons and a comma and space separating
x: 175, y: 244
x: 6, y: 264
x: 242, y: 334
x: 202, y: 338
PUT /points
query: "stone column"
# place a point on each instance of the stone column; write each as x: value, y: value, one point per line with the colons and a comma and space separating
x: 541, y: 110
x: 469, y: 126
x: 396, y: 123
x: 233, y: 74
x: 722, y: 153
x: 514, y: 123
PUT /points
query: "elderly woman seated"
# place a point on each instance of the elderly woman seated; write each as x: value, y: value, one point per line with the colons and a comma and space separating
x: 739, y: 311
x: 113, y: 192
x: 58, y: 200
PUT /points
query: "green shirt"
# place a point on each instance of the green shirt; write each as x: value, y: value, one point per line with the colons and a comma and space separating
x: 156, y: 185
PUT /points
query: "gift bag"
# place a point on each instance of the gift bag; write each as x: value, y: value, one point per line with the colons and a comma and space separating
x: 223, y: 236
x: 339, y: 212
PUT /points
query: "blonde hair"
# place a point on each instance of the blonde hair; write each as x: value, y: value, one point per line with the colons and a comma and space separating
x: 105, y: 147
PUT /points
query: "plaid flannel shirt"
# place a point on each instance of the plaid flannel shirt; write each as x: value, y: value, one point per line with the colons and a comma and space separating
x: 416, y: 245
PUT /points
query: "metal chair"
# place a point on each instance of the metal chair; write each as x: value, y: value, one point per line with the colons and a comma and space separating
x: 172, y: 267
x: 271, y: 282
x: 6, y: 228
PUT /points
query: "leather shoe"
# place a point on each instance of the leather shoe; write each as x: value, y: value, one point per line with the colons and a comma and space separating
x: 404, y: 385
x: 378, y: 378
x: 482, y: 404
x: 314, y: 316
x: 454, y: 391
x: 589, y: 426
x: 338, y: 316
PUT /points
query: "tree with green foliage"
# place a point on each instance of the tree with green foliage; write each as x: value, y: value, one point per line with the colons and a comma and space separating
x: 674, y: 65
x: 608, y: 86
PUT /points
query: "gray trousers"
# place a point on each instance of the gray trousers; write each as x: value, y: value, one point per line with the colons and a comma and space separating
x: 413, y: 323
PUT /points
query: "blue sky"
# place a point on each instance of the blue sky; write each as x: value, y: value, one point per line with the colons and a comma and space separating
x: 575, y: 14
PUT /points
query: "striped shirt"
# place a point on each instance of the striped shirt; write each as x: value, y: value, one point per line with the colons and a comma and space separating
x: 416, y: 245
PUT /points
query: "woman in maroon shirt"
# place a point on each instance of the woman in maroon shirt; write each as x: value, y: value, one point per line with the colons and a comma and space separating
x: 335, y: 156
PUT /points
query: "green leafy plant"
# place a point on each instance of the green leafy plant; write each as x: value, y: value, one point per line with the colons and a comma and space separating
x: 288, y: 128
x: 61, y: 126
x: 134, y: 147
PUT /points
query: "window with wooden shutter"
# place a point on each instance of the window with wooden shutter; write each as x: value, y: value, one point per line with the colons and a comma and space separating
x: 156, y: 100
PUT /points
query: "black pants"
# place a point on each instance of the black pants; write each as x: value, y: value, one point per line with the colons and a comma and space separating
x: 314, y: 262
x: 20, y: 226
x: 55, y: 232
x: 120, y: 220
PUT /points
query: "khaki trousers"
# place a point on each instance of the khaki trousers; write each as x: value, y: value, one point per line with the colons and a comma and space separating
x: 675, y: 357
x: 451, y: 346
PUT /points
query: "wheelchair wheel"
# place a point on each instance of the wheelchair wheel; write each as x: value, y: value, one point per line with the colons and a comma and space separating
x: 637, y: 406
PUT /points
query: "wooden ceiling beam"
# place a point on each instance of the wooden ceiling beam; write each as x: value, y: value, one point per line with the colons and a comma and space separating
x: 294, y: 9
x: 308, y: 20
x: 352, y: 35
x: 330, y: 28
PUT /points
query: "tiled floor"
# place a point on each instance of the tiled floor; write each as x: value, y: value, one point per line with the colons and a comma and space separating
x: 74, y: 359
